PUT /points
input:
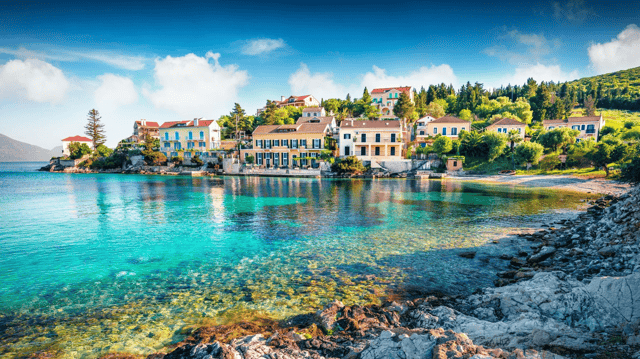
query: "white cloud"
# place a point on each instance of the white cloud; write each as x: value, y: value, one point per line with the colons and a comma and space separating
x: 620, y: 53
x: 34, y: 80
x: 133, y: 63
x: 322, y: 85
x: 424, y: 76
x: 574, y: 11
x: 192, y: 86
x: 540, y: 72
x: 262, y: 46
x: 115, y: 91
x: 523, y: 49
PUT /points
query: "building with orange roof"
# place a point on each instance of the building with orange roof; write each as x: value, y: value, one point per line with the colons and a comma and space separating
x: 589, y: 126
x: 79, y: 139
x: 506, y: 125
x: 190, y: 138
x: 385, y: 98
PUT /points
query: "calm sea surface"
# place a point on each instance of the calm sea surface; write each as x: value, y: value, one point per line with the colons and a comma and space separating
x: 91, y: 264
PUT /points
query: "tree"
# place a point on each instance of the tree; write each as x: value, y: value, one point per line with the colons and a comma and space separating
x: 404, y: 108
x: 177, y: 160
x: 589, y: 106
x: 196, y: 160
x: 366, y: 98
x: 529, y: 152
x: 103, y: 151
x: 601, y: 156
x: 435, y: 110
x: 249, y: 159
x: 496, y: 143
x: 78, y: 150
x: 631, y: 171
x: 151, y: 143
x: 514, y: 137
x: 558, y: 138
x: 442, y: 145
x: 154, y: 158
x: 471, y: 144
x: 95, y: 129
x: 349, y: 164
x: 465, y: 115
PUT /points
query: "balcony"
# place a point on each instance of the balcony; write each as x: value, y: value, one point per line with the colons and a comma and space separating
x: 590, y: 131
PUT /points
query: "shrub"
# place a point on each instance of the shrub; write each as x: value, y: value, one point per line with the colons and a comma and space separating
x: 176, y: 160
x: 249, y: 159
x: 550, y: 163
x: 154, y: 158
x: 442, y: 145
x: 78, y: 150
x: 495, y: 143
x: 349, y: 164
x: 631, y: 171
x: 196, y: 160
x: 103, y: 151
x: 529, y: 152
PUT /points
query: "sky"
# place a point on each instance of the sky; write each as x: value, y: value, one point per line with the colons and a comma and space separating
x: 177, y: 60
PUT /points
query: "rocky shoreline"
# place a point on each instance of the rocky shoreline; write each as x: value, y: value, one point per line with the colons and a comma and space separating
x: 577, y: 295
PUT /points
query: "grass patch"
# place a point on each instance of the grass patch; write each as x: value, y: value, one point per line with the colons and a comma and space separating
x: 480, y: 165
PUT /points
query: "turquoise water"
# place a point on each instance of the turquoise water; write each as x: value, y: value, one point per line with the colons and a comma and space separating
x: 93, y: 264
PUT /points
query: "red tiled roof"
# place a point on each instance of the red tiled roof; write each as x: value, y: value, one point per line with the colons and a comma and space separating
x: 449, y: 119
x: 201, y: 123
x: 299, y: 128
x: 575, y: 119
x: 508, y: 122
x: 405, y: 89
x: 149, y: 123
x: 355, y: 123
x: 322, y: 119
x: 312, y: 109
x: 77, y: 139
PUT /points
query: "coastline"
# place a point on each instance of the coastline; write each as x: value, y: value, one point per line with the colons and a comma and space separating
x: 543, y: 307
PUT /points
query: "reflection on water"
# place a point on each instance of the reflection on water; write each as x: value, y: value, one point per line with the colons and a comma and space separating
x: 104, y: 263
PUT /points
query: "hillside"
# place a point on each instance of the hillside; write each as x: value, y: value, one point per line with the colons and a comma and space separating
x: 15, y: 151
x: 616, y: 90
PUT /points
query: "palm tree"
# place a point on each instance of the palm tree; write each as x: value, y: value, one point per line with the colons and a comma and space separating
x: 514, y: 137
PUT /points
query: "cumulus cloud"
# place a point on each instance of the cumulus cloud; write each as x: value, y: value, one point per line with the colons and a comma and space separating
x: 573, y: 11
x: 126, y: 62
x: 262, y: 46
x: 192, y: 86
x: 34, y: 80
x: 540, y: 72
x: 322, y: 85
x: 620, y: 53
x: 424, y: 76
x: 115, y: 91
x: 523, y: 48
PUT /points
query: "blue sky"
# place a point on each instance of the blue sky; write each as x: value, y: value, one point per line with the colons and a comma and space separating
x: 178, y: 60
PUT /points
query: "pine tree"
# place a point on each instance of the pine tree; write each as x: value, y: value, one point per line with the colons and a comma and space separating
x: 366, y: 98
x: 404, y: 107
x: 95, y: 129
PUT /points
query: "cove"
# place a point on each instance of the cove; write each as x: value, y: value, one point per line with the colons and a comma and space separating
x: 97, y: 263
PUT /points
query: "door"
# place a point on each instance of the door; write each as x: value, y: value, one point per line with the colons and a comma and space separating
x: 347, y: 150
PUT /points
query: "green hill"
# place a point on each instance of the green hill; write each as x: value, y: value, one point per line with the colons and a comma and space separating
x: 617, y: 90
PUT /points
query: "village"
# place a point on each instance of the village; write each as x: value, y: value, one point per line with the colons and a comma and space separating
x: 381, y: 145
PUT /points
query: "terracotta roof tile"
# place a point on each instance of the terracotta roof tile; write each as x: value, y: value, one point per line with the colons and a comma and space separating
x: 299, y: 128
x: 508, y: 122
x: 450, y: 119
x: 149, y: 124
x: 355, y: 123
x: 405, y: 89
x: 575, y: 119
x: 77, y: 139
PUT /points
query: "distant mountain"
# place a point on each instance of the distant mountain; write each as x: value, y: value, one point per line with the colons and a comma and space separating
x: 15, y: 151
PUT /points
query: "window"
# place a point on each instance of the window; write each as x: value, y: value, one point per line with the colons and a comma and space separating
x: 190, y: 145
x: 591, y: 129
x: 202, y: 135
x: 303, y: 162
x: 347, y: 136
x: 276, y: 143
x: 519, y: 130
x: 285, y: 159
x: 444, y: 131
x: 167, y: 145
x: 363, y: 151
x: 454, y: 131
x: 462, y: 129
x: 363, y: 137
x: 177, y: 135
x: 303, y: 143
x: 377, y: 137
x: 316, y: 143
x: 176, y: 146
x: 551, y: 127
x: 294, y: 143
x: 377, y: 151
x: 285, y: 143
x: 393, y: 137
x: 258, y: 143
x: 575, y: 127
x: 259, y: 158
x: 435, y: 130
x: 190, y: 135
x: 421, y: 133
x: 267, y: 143
x: 393, y: 151
x: 166, y: 136
x: 276, y: 159
x: 203, y: 144
x: 582, y: 127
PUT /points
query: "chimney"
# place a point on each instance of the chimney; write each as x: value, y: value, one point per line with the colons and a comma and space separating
x: 143, y: 122
x: 282, y: 98
x: 195, y: 122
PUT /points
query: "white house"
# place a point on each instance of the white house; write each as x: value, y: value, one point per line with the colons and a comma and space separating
x: 79, y: 139
x: 198, y: 135
x: 371, y: 140
x: 421, y: 128
x: 314, y: 112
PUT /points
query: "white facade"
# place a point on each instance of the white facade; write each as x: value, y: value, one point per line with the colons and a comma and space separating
x: 370, y: 140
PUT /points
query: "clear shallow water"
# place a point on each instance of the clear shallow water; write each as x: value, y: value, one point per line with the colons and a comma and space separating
x: 114, y: 263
